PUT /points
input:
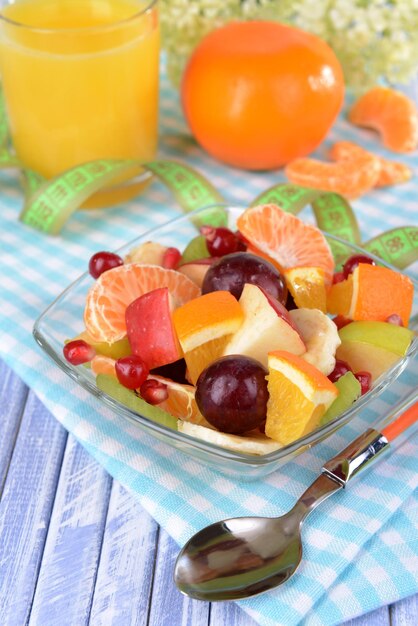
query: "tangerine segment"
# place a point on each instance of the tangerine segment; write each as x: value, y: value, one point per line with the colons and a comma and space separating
x: 101, y: 364
x: 286, y: 239
x: 307, y: 286
x: 114, y: 290
x: 391, y: 172
x: 299, y: 396
x: 204, y: 326
x: 373, y: 293
x: 181, y: 401
x: 392, y: 114
x: 350, y: 178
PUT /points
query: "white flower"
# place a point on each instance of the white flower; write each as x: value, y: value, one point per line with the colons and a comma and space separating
x: 373, y: 39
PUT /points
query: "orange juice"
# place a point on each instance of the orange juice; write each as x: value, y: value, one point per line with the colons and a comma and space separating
x: 80, y: 79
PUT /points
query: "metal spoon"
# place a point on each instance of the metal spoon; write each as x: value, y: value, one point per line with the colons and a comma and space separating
x: 245, y: 556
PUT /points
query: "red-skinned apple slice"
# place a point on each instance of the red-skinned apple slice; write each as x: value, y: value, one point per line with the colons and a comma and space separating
x: 150, y: 328
x: 267, y: 326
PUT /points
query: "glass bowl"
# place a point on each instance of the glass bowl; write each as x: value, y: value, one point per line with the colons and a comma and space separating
x: 64, y: 319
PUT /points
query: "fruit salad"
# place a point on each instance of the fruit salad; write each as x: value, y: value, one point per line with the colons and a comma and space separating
x: 248, y: 339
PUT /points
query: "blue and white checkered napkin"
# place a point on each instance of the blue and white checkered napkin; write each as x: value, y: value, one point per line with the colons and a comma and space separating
x: 361, y: 546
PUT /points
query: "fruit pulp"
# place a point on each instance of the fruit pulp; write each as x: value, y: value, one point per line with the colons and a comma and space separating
x: 81, y: 83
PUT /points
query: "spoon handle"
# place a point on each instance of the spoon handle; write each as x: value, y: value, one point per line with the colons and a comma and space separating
x: 372, y: 444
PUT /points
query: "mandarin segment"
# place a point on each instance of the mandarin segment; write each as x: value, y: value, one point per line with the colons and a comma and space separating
x: 181, y: 402
x: 101, y: 364
x: 391, y: 172
x: 298, y: 397
x: 351, y: 177
x: 286, y: 239
x: 392, y: 114
x: 108, y: 298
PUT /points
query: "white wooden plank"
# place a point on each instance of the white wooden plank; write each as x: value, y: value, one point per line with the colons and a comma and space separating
x: 25, y: 508
x: 405, y: 612
x: 68, y: 570
x: 380, y: 617
x: 229, y: 614
x: 168, y: 606
x: 13, y: 393
x: 124, y: 577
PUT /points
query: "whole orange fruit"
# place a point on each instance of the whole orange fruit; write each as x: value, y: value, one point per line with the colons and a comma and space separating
x: 257, y: 95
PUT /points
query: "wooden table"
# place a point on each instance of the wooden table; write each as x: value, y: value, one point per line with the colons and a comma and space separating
x: 76, y: 548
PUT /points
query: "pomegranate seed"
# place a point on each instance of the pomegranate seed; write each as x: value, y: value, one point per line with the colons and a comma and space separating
x: 338, y: 278
x: 171, y: 258
x: 219, y: 241
x: 78, y: 351
x: 340, y: 321
x: 153, y: 391
x: 341, y: 368
x: 102, y: 262
x: 131, y: 371
x: 394, y: 319
x: 365, y: 380
x: 351, y: 263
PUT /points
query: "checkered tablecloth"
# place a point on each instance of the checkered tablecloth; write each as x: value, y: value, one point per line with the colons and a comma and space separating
x: 361, y: 546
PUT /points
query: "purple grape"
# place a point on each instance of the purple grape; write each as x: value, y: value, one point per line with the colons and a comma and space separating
x: 351, y: 263
x: 232, y: 394
x: 232, y: 271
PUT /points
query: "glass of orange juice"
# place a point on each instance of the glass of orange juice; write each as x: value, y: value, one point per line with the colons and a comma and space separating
x: 80, y: 80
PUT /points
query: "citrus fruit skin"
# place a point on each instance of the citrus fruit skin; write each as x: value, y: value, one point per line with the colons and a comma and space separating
x: 259, y: 94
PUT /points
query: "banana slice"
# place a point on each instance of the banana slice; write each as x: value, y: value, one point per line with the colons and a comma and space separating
x: 321, y: 338
x: 149, y: 252
x: 257, y: 444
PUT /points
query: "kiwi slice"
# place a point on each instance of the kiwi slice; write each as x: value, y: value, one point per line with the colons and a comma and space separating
x: 349, y: 389
x: 128, y: 398
x: 195, y: 249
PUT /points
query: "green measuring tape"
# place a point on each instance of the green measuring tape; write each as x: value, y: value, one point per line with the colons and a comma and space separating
x: 49, y: 204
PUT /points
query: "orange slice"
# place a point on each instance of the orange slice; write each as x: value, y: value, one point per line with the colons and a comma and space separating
x: 286, y: 239
x: 307, y: 286
x: 372, y: 293
x: 350, y: 178
x: 114, y: 290
x: 299, y: 396
x: 391, y: 172
x: 392, y: 114
x: 204, y: 326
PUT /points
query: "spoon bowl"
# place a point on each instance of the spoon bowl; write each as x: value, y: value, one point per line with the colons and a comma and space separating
x: 244, y: 556
x: 239, y: 557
